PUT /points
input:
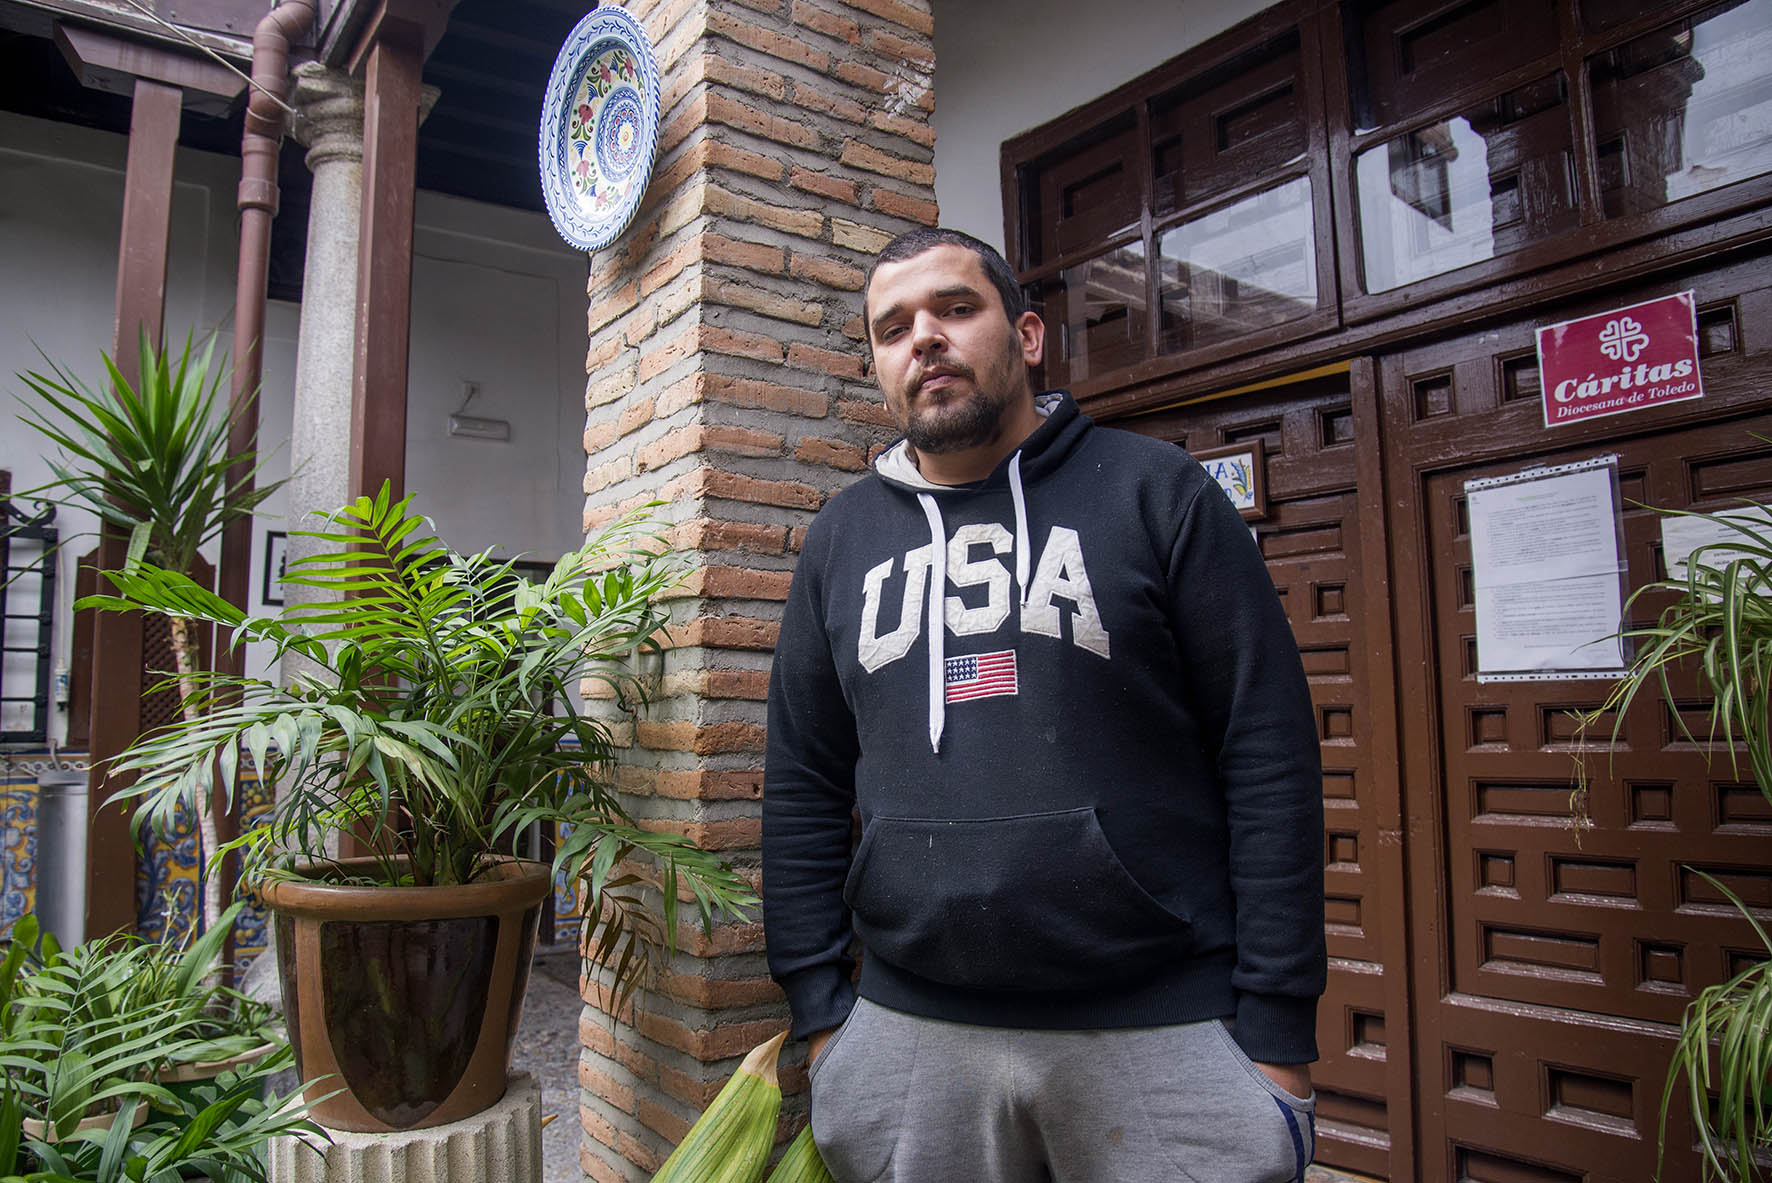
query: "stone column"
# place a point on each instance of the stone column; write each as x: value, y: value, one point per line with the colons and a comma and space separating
x: 725, y: 378
x: 329, y: 120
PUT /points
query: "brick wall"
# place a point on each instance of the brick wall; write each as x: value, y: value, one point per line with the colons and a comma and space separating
x: 725, y: 378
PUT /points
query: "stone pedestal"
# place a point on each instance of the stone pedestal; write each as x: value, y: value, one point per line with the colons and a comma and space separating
x: 498, y: 1145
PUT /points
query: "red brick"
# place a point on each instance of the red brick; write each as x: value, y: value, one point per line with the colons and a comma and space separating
x: 910, y: 16
x: 605, y: 475
x: 832, y: 187
x: 594, y: 1036
x: 635, y: 416
x: 900, y: 205
x: 869, y: 240
x: 723, y: 155
x: 728, y: 938
x: 750, y: 392
x: 672, y: 265
x: 745, y: 684
x: 726, y: 632
x: 613, y: 307
x: 601, y: 353
x: 743, y: 583
x: 718, y: 993
x: 600, y: 436
x: 741, y: 441
x: 604, y: 1086
x: 833, y: 453
x: 796, y: 539
x: 662, y: 1121
x: 918, y: 131
x: 732, y: 833
x: 733, y: 487
x: 703, y: 785
x: 592, y: 1164
x: 918, y: 52
x: 738, y: 344
x: 829, y: 272
x: 765, y: 302
x: 594, y: 1124
x: 702, y: 739
x: 723, y: 108
x: 856, y: 411
x: 767, y: 83
x: 808, y: 357
x: 865, y: 77
x: 768, y: 41
x: 814, y: 99
x: 755, y: 537
x: 718, y: 1043
x: 752, y: 256
x: 672, y: 445
x: 859, y: 155
x: 662, y: 357
x: 854, y: 330
x: 690, y: 116
x: 821, y: 20
x: 638, y: 1153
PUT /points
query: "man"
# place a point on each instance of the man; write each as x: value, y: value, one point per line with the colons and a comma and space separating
x: 1046, y: 664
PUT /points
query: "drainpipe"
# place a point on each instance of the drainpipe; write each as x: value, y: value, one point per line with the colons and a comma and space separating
x: 265, y: 127
x: 258, y: 205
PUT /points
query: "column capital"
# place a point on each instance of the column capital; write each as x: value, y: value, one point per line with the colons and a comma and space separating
x: 328, y: 114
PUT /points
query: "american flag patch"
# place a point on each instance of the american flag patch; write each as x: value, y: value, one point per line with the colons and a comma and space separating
x: 980, y: 675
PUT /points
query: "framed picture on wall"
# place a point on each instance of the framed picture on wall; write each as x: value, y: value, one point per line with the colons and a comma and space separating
x: 276, y: 554
x: 1241, y: 471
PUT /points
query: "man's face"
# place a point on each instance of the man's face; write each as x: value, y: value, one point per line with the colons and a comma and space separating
x: 947, y: 359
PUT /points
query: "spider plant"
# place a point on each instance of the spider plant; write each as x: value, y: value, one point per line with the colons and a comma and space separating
x: 441, y: 720
x: 152, y: 460
x: 1717, y: 619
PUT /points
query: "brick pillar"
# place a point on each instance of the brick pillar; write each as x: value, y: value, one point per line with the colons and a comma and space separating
x: 725, y: 378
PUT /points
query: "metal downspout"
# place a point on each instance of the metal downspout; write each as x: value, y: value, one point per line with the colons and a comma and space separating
x: 265, y: 126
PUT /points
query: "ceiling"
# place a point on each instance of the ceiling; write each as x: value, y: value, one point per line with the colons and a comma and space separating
x: 490, y: 68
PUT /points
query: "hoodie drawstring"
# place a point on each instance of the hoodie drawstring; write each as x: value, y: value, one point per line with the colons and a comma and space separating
x: 938, y: 585
x: 1021, y: 530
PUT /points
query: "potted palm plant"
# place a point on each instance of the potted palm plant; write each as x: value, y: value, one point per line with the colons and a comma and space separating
x: 151, y: 459
x: 86, y: 1036
x: 440, y: 724
x: 1716, y: 620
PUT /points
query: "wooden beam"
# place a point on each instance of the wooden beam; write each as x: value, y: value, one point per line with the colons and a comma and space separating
x: 117, y: 637
x: 384, y: 259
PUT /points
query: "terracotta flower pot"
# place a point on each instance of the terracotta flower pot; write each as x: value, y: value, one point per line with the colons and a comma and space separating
x: 407, y: 998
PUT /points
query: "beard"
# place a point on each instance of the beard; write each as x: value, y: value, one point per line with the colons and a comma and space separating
x: 966, y: 419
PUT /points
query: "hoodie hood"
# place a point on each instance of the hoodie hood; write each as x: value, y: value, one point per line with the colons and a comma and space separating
x: 1040, y: 453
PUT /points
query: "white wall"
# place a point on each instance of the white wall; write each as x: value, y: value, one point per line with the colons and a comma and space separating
x: 1002, y: 69
x: 498, y: 299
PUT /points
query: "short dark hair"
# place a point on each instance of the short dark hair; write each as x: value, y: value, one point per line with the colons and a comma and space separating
x: 996, y: 268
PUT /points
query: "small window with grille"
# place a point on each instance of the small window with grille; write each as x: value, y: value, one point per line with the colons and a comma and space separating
x: 27, y: 613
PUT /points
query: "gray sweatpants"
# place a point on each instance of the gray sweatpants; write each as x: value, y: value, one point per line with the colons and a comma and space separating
x: 905, y: 1099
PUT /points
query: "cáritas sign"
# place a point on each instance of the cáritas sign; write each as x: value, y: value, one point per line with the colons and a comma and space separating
x: 1624, y: 360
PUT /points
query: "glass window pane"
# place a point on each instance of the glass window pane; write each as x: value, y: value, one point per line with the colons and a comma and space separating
x: 1685, y: 109
x: 1095, y: 315
x: 1245, y: 267
x: 1470, y: 188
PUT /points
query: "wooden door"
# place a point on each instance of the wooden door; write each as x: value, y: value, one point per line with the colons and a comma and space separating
x: 1323, y: 538
x: 1551, y: 962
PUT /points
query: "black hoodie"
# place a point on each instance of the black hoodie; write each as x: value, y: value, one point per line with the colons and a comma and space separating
x: 1094, y: 801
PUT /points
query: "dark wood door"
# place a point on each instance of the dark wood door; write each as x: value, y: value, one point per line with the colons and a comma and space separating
x: 1551, y: 959
x: 1323, y: 537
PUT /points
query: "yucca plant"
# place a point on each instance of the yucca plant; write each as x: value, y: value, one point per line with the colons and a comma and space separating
x: 441, y: 721
x: 1718, y: 620
x: 151, y: 458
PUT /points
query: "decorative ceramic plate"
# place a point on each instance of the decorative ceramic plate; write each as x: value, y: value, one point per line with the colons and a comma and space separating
x: 599, y: 128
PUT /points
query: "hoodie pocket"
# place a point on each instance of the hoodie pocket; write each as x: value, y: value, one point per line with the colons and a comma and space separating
x: 1035, y: 902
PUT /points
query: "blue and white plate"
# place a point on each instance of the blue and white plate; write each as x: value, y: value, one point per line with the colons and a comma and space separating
x: 599, y: 128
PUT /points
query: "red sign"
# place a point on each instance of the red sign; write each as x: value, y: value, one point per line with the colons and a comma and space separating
x: 1624, y: 360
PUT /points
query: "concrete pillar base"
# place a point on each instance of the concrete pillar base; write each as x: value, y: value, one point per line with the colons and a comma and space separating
x: 498, y: 1145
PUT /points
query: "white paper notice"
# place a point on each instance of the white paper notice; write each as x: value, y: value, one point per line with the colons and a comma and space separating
x: 1544, y: 553
x: 1681, y: 535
